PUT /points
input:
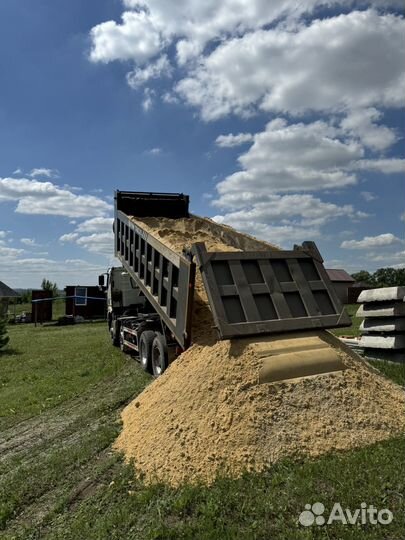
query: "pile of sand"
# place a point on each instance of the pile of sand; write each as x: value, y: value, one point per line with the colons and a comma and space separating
x: 207, y: 414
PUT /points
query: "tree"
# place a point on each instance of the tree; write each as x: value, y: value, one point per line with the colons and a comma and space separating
x: 4, y: 339
x: 47, y: 285
x: 364, y: 276
x: 389, y: 277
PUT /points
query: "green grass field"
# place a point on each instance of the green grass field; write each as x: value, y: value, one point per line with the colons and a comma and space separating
x: 62, y: 390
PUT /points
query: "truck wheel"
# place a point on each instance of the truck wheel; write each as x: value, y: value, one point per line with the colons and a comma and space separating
x: 121, y: 343
x: 145, y: 349
x: 159, y: 355
x: 115, y: 332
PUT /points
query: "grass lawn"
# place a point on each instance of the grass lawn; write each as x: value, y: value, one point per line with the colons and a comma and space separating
x: 62, y: 389
x: 353, y: 330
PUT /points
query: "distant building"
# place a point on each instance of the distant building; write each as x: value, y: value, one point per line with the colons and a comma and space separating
x: 41, y: 305
x: 342, y: 282
x: 5, y: 294
x: 86, y: 301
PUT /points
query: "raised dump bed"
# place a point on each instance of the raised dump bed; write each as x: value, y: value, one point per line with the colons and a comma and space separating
x: 249, y: 292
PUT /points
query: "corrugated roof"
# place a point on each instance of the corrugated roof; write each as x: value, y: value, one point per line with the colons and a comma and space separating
x: 6, y: 292
x: 339, y: 275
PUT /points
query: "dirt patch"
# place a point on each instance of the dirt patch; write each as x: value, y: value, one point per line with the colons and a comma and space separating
x: 207, y: 414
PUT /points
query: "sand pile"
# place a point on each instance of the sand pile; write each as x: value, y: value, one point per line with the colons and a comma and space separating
x: 207, y: 414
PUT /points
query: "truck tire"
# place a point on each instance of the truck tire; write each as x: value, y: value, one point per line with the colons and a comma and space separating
x: 145, y: 349
x: 115, y: 332
x: 159, y: 355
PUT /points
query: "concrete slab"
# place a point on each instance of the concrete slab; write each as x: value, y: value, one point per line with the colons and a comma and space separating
x: 396, y: 341
x: 382, y: 294
x: 388, y: 309
x: 374, y: 324
x: 385, y: 355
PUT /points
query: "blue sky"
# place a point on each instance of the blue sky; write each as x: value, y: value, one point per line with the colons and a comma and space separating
x: 285, y: 122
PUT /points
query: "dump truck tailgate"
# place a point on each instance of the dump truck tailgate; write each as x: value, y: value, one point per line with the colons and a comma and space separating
x: 253, y: 293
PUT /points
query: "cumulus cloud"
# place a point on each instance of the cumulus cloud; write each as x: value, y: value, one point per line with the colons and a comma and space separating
x: 153, y: 70
x: 368, y: 196
x: 41, y: 171
x: 137, y: 38
x: 95, y: 235
x: 148, y: 26
x: 280, y: 218
x: 342, y: 63
x: 291, y: 157
x: 361, y: 123
x: 230, y: 140
x: 29, y: 242
x: 386, y: 166
x: 46, y: 198
x: 386, y: 239
x: 148, y: 97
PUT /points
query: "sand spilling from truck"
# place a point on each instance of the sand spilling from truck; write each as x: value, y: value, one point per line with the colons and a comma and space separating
x: 207, y: 415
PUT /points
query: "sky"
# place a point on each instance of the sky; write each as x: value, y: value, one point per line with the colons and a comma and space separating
x: 283, y: 119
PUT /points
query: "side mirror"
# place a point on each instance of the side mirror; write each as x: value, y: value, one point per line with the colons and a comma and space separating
x: 101, y: 280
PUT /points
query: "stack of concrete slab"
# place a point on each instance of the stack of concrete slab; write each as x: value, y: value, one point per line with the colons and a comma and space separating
x: 383, y: 328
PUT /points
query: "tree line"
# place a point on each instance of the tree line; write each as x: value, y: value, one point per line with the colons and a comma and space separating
x: 383, y: 277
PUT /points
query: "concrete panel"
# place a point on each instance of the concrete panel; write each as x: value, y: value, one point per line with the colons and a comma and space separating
x: 383, y: 342
x: 382, y: 295
x: 388, y: 309
x: 375, y: 324
x: 385, y: 355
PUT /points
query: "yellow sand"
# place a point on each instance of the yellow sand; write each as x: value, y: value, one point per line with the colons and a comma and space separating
x: 207, y: 414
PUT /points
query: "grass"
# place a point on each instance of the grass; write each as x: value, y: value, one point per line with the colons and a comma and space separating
x: 353, y: 330
x: 58, y: 309
x: 63, y: 389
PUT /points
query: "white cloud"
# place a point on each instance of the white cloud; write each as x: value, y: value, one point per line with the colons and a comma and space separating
x: 368, y: 196
x: 282, y: 218
x: 289, y: 158
x: 29, y: 242
x: 156, y: 151
x: 361, y: 123
x: 102, y: 243
x: 148, y: 97
x: 95, y: 235
x: 42, y: 171
x: 148, y: 26
x: 342, y: 63
x: 386, y: 166
x: 9, y: 252
x: 68, y: 237
x: 153, y: 70
x: 386, y: 239
x: 137, y: 38
x: 17, y: 171
x: 279, y: 235
x: 230, y: 140
x: 96, y: 224
x: 46, y: 198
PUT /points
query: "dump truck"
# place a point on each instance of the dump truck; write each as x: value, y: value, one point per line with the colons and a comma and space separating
x: 250, y: 293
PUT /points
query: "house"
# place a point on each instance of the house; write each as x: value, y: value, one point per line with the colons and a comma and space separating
x: 85, y: 301
x: 5, y: 294
x: 342, y: 282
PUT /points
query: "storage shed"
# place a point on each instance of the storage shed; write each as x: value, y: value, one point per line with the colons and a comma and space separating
x: 342, y: 281
x: 5, y: 294
x: 87, y: 301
